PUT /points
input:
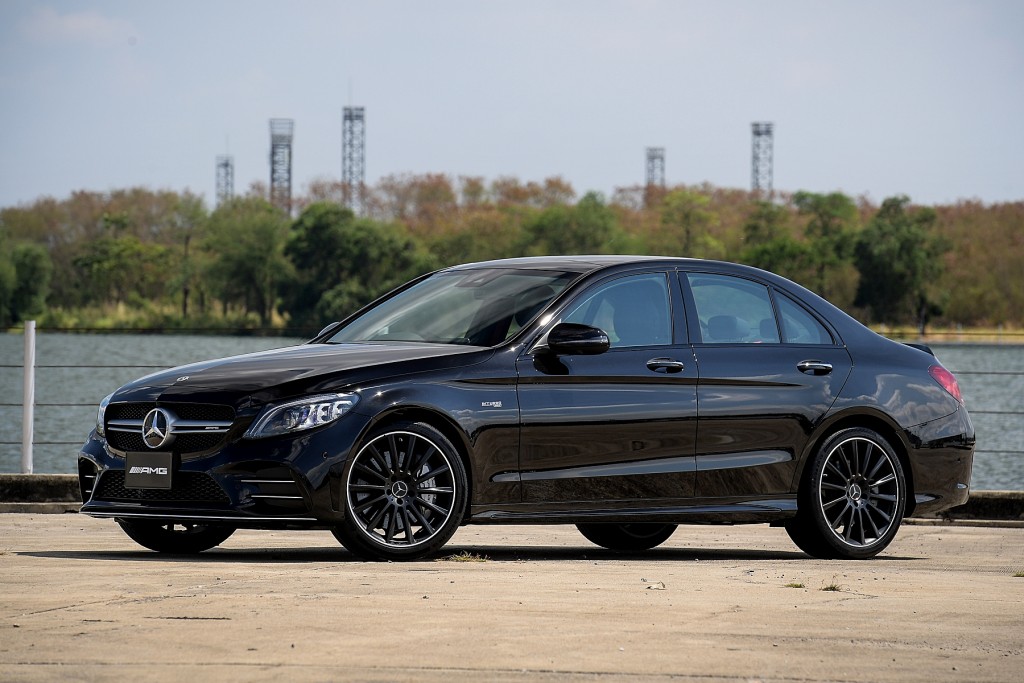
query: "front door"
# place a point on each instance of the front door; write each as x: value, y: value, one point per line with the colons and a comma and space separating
x: 619, y: 426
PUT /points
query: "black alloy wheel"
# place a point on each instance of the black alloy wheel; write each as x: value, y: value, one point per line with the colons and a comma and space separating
x: 405, y: 494
x: 175, y: 537
x: 627, y: 537
x: 851, y: 503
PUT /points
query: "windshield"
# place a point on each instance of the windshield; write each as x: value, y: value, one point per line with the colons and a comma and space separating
x: 480, y: 307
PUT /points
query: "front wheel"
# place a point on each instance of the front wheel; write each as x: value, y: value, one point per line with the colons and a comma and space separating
x: 405, y: 494
x: 175, y: 538
x: 627, y: 537
x: 852, y: 500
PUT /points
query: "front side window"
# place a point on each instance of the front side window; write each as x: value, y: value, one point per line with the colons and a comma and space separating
x: 733, y: 310
x: 632, y: 311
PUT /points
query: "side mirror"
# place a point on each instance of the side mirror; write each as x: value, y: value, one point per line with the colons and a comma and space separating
x: 576, y: 339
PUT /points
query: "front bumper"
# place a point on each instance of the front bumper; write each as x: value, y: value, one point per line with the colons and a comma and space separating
x: 262, y: 483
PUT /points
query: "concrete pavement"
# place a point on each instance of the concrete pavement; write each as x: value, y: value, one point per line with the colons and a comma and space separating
x: 80, y: 601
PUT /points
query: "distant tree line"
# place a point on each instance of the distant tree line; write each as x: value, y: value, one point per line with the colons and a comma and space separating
x: 138, y: 258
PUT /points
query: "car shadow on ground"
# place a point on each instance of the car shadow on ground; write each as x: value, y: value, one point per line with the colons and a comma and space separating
x: 450, y: 554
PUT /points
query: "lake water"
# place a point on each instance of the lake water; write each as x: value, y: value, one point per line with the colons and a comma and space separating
x: 991, y: 377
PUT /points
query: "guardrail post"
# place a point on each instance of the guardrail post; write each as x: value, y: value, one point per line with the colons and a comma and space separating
x: 28, y: 398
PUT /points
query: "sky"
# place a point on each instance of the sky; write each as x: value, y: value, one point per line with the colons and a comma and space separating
x: 871, y: 98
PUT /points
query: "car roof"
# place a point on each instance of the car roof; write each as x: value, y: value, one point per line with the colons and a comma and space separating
x: 586, y: 264
x: 583, y: 263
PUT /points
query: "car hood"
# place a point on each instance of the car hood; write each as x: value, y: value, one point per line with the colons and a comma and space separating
x: 267, y: 375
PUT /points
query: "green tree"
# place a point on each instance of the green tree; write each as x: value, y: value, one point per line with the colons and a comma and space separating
x: 831, y: 234
x: 33, y: 269
x: 342, y: 263
x: 900, y: 262
x: 8, y: 280
x: 688, y: 212
x: 186, y: 218
x: 784, y: 256
x: 245, y: 241
x: 116, y: 269
x: 766, y: 223
x: 590, y: 227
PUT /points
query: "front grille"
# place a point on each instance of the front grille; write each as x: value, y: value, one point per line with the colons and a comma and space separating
x: 188, y: 487
x: 128, y: 411
x: 185, y: 411
x: 129, y: 438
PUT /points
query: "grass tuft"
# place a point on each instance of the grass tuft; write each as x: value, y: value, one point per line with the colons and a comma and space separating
x: 833, y: 587
x: 464, y: 556
x: 794, y: 585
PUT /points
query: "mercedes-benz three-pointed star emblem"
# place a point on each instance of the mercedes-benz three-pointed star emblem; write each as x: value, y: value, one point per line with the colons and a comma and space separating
x: 156, y: 428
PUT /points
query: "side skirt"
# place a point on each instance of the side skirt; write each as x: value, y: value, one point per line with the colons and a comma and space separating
x: 704, y: 512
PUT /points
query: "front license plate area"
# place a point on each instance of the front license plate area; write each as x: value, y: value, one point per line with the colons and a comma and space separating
x: 148, y: 470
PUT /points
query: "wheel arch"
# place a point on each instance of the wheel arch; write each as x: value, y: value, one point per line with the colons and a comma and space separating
x: 892, y: 433
x: 439, y: 421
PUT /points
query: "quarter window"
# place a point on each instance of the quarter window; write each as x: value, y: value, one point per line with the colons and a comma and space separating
x: 799, y: 326
x: 732, y: 310
x: 633, y: 311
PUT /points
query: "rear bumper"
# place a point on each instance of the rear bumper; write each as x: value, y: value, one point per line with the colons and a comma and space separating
x: 941, y: 459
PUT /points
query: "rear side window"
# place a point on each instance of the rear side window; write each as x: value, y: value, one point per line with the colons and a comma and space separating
x: 733, y: 310
x: 799, y: 326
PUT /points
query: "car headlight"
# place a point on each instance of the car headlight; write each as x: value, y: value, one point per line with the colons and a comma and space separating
x: 101, y: 412
x: 296, y: 416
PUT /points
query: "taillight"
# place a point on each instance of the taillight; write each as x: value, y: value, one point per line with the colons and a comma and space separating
x: 947, y: 381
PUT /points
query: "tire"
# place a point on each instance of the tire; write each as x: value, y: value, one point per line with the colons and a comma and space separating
x: 177, y: 539
x: 627, y: 537
x: 851, y: 502
x: 405, y: 494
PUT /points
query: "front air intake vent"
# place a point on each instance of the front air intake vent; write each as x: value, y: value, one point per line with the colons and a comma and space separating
x: 189, y: 487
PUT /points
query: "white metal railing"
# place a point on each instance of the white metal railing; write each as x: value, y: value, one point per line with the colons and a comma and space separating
x: 28, y: 410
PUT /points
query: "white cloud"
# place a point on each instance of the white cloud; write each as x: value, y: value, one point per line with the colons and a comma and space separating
x: 46, y: 25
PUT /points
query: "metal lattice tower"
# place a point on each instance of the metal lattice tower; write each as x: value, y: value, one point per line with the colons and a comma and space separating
x: 656, y: 167
x: 225, y: 178
x: 281, y: 131
x: 761, y: 158
x: 353, y: 156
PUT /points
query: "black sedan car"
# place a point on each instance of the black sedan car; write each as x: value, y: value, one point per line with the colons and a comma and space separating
x: 625, y: 395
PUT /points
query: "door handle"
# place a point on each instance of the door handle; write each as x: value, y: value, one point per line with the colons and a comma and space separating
x: 814, y: 367
x: 665, y: 365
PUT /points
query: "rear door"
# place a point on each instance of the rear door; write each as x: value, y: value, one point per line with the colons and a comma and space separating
x: 769, y: 371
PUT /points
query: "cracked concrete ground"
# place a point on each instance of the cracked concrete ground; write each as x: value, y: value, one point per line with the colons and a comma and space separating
x: 80, y: 601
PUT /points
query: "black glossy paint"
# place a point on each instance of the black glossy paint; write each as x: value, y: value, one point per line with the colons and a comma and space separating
x: 679, y: 431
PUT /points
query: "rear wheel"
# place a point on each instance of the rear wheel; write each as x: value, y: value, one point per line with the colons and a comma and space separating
x: 175, y: 538
x: 627, y: 537
x: 405, y: 494
x: 851, y: 502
